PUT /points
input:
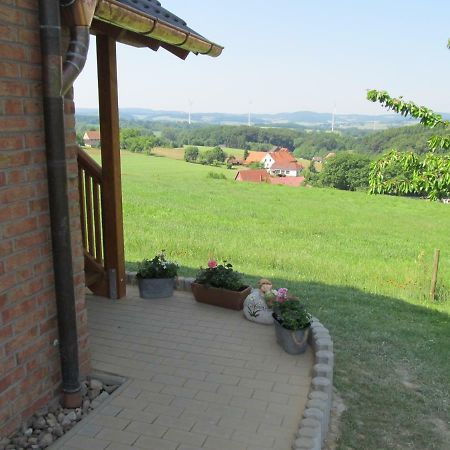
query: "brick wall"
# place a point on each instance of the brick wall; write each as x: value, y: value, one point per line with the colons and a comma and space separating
x: 29, y: 363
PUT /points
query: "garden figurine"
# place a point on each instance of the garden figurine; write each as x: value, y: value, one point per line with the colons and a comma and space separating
x: 256, y: 305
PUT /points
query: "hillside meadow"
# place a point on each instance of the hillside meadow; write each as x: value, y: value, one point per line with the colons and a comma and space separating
x: 362, y: 263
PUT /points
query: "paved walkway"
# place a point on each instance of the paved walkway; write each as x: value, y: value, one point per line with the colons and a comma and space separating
x: 199, y: 377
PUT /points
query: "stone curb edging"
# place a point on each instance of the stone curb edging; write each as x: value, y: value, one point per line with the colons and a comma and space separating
x: 315, y: 423
x: 313, y: 429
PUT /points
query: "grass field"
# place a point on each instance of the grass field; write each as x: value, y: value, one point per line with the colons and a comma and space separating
x: 361, y: 262
x: 178, y: 153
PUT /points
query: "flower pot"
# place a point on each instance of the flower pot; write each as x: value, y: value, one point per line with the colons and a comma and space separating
x: 293, y: 342
x: 220, y: 297
x: 156, y: 287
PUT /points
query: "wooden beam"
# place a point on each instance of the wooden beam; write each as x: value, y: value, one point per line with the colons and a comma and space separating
x: 110, y: 149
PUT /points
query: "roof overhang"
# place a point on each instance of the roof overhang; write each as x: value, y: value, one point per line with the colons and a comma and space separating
x: 135, y: 26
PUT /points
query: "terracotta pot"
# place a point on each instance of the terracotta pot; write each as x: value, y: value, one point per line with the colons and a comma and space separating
x: 220, y: 297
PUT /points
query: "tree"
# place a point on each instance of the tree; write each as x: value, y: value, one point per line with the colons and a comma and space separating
x: 191, y: 153
x: 214, y: 154
x: 245, y: 154
x: 347, y: 171
x: 428, y: 176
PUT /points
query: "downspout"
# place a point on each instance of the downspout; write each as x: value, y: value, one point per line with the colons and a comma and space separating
x: 55, y: 85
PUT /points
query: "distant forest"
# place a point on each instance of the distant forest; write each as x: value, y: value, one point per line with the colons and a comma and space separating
x: 304, y: 143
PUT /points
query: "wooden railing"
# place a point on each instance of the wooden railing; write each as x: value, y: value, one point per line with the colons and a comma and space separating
x: 90, y: 185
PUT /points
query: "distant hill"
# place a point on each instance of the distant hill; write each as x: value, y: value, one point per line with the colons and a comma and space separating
x: 308, y: 119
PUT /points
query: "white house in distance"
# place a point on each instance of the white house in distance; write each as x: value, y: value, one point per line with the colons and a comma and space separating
x: 92, y: 138
x: 281, y: 163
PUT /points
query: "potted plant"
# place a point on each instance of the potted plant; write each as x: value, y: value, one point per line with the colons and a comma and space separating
x: 220, y: 285
x: 156, y: 277
x: 292, y: 323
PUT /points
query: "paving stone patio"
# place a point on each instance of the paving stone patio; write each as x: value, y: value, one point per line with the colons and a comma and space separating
x: 199, y: 377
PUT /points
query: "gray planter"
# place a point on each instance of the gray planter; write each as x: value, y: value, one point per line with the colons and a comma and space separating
x: 293, y: 342
x: 156, y: 287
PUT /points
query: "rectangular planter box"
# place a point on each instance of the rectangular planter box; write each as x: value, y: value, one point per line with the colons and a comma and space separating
x: 220, y: 297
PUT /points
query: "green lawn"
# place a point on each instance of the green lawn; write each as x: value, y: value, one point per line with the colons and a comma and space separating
x: 361, y: 262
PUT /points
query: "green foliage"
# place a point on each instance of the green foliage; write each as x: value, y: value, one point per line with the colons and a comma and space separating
x: 319, y: 143
x: 347, y: 171
x: 429, y: 176
x: 216, y: 176
x: 214, y: 154
x: 191, y: 153
x: 427, y: 117
x: 399, y: 173
x: 139, y: 140
x: 158, y: 267
x: 222, y: 276
x: 292, y: 315
x: 246, y: 153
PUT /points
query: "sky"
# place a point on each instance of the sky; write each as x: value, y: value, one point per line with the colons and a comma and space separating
x: 290, y: 55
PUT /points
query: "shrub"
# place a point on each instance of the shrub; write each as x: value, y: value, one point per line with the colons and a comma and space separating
x: 191, y: 153
x: 217, y: 176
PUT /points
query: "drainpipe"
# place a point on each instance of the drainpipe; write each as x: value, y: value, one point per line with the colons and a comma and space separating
x: 55, y: 85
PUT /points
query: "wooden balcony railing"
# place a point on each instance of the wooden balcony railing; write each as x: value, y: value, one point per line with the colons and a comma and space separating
x: 90, y: 185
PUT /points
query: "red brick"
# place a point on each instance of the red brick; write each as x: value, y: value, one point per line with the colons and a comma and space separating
x: 11, y: 15
x: 24, y: 274
x: 26, y: 4
x: 36, y: 347
x: 36, y: 140
x: 30, y: 36
x: 38, y: 237
x: 39, y: 173
x: 8, y: 396
x: 16, y: 176
x: 12, y: 51
x: 39, y: 205
x: 13, y: 123
x: 7, y: 281
x: 5, y: 332
x: 13, y: 159
x: 8, y: 33
x: 9, y: 70
x: 13, y: 107
x: 20, y: 341
x: 48, y: 325
x: 20, y: 227
x: 32, y: 106
x: 7, y: 365
x: 13, y: 211
x: 17, y: 310
x: 11, y: 142
x: 25, y: 323
x: 6, y: 247
x: 11, y: 378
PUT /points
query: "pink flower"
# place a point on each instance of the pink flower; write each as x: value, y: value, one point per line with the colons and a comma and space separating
x: 212, y: 263
x: 282, y: 293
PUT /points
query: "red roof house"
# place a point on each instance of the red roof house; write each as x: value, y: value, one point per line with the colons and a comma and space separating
x: 253, y: 175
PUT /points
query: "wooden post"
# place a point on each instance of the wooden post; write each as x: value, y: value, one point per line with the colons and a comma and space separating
x: 114, y: 255
x: 434, y: 276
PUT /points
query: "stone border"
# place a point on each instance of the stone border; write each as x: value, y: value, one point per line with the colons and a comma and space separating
x: 313, y: 429
x: 314, y: 426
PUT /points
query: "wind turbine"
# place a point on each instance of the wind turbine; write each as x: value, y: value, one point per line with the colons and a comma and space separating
x: 332, y: 118
x: 190, y: 108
